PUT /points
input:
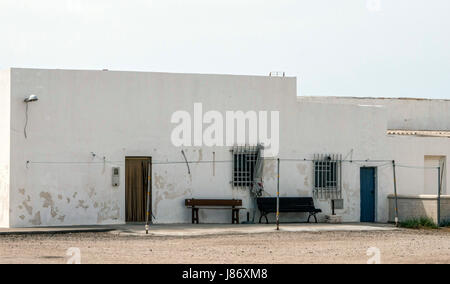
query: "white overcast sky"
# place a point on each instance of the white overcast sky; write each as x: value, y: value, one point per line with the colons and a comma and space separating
x: 334, y: 47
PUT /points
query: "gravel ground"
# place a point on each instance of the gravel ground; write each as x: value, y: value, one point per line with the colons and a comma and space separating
x: 404, y: 246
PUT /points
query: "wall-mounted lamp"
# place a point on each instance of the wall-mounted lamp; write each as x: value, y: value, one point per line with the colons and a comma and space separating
x: 29, y: 99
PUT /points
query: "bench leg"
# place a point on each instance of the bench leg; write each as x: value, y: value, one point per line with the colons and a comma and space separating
x: 263, y: 214
x: 312, y: 215
x: 195, y: 216
x: 235, y: 216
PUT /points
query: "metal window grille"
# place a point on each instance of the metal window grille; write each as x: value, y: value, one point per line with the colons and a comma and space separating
x: 327, y: 176
x: 246, y: 165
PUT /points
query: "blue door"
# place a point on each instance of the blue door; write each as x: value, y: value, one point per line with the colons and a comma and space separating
x: 368, y: 194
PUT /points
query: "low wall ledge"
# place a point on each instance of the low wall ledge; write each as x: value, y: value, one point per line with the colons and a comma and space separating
x: 423, y: 197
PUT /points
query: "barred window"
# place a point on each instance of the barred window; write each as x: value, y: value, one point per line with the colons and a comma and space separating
x: 245, y: 160
x: 327, y: 176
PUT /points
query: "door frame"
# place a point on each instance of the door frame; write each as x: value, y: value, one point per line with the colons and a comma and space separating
x: 150, y: 182
x: 375, y: 172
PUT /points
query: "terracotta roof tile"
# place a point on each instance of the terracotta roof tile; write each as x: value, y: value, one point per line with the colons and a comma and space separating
x: 421, y: 133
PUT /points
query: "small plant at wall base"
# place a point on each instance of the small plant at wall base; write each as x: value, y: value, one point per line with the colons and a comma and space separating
x: 419, y: 223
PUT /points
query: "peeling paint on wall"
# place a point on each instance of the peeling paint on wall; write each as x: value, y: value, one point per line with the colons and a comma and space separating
x: 91, y: 192
x: 159, y: 182
x: 270, y: 170
x: 301, y: 169
x: 306, y: 181
x: 82, y: 204
x: 109, y: 211
x: 36, y: 221
x: 47, y: 207
x: 53, y: 198
x: 167, y: 191
x: 49, y: 203
x: 28, y: 207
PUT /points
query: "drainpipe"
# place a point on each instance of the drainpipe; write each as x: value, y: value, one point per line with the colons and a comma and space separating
x: 278, y: 197
x: 147, y: 215
x: 439, y: 198
x: 395, y: 194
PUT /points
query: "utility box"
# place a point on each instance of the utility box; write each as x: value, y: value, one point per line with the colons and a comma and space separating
x: 115, y: 176
x: 338, y: 204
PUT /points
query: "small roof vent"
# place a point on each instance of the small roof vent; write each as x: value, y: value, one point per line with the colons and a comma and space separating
x: 277, y: 74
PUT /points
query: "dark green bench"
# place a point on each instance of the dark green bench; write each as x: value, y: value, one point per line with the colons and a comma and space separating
x: 267, y: 205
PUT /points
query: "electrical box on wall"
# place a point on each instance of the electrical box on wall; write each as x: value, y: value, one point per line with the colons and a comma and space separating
x: 338, y: 204
x: 116, y: 176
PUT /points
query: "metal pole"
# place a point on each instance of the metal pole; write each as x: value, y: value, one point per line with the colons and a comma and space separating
x: 439, y: 198
x: 395, y: 194
x: 147, y: 215
x: 278, y: 197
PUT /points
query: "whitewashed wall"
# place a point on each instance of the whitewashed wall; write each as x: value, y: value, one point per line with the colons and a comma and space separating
x: 412, y: 151
x: 355, y: 132
x: 407, y: 114
x: 403, y: 113
x: 119, y: 114
x: 4, y: 146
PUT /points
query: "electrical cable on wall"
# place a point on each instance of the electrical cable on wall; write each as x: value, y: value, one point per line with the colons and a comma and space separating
x: 382, y: 163
x: 26, y: 122
x: 187, y: 163
x: 31, y: 98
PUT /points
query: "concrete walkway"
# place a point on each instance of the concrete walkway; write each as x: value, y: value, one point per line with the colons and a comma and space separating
x: 223, y: 229
x: 56, y: 230
x: 189, y: 230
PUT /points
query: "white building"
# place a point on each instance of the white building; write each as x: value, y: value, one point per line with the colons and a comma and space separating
x: 86, y: 123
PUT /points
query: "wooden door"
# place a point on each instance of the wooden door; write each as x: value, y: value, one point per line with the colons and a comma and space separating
x: 137, y: 183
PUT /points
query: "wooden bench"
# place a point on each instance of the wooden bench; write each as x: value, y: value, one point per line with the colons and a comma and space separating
x: 217, y: 204
x: 268, y: 205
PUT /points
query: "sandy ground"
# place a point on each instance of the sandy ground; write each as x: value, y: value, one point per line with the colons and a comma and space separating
x: 404, y: 246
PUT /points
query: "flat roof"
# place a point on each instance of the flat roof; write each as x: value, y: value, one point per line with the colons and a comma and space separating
x: 370, y: 98
x: 151, y: 72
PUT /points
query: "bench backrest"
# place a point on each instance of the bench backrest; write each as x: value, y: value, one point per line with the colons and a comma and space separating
x: 213, y: 202
x: 287, y: 204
